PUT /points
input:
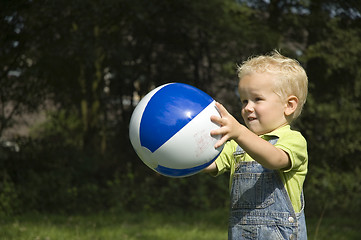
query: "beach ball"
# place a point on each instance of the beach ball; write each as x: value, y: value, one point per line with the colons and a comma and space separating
x: 170, y: 130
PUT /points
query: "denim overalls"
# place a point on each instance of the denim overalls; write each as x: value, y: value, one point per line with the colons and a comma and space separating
x: 260, y: 205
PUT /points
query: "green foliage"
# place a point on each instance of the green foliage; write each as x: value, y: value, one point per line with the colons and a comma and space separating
x: 333, y: 107
x: 61, y: 179
x: 9, y: 201
x: 150, y: 191
x: 332, y: 191
x: 62, y: 125
x: 329, y: 127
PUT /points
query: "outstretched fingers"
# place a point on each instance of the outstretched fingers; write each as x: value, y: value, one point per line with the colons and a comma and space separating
x: 221, y: 141
x: 222, y: 121
x: 221, y: 109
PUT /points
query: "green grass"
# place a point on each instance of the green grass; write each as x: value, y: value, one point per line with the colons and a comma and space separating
x: 128, y: 226
x: 150, y: 226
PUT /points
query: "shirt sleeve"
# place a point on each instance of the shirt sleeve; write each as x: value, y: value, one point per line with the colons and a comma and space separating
x: 295, y: 145
x: 225, y: 161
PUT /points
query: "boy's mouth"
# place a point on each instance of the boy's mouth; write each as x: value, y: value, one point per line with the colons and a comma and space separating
x: 250, y: 119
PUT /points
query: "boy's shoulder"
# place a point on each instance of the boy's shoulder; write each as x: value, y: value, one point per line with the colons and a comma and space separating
x: 286, y: 134
x: 284, y: 131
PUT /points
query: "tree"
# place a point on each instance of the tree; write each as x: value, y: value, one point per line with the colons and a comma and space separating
x: 21, y: 90
x: 335, y: 79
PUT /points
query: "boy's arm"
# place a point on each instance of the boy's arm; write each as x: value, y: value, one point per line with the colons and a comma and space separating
x: 262, y: 151
x: 211, y: 168
x: 259, y: 149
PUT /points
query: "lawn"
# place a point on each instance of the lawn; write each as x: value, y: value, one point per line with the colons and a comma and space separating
x: 149, y: 226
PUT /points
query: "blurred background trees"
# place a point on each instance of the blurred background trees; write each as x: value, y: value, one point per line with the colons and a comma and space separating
x: 85, y: 64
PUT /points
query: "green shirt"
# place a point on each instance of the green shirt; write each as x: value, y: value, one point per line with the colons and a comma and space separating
x: 290, y: 141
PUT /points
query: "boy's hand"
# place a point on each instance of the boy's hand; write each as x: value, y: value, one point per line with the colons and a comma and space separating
x: 230, y: 127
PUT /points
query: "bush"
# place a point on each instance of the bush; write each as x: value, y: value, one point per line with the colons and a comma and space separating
x: 334, y: 192
x: 9, y: 201
x: 147, y: 190
x: 48, y: 176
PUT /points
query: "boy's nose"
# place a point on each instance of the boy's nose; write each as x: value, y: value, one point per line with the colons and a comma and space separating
x: 249, y: 107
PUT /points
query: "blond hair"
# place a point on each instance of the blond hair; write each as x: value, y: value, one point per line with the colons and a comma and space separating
x: 291, y: 78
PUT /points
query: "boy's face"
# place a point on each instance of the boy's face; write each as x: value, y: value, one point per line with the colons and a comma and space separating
x: 262, y: 109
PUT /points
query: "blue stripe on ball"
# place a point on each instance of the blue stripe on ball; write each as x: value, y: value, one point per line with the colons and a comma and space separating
x: 171, y: 172
x: 169, y: 110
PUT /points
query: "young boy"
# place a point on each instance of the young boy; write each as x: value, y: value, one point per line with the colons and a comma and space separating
x: 267, y: 160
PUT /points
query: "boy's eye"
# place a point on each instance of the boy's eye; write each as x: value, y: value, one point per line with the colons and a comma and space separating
x: 258, y: 99
x: 244, y: 102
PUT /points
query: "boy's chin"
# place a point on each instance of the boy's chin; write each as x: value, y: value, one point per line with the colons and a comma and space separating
x: 258, y: 131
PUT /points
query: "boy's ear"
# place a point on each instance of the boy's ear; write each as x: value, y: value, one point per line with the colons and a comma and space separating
x: 291, y: 105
